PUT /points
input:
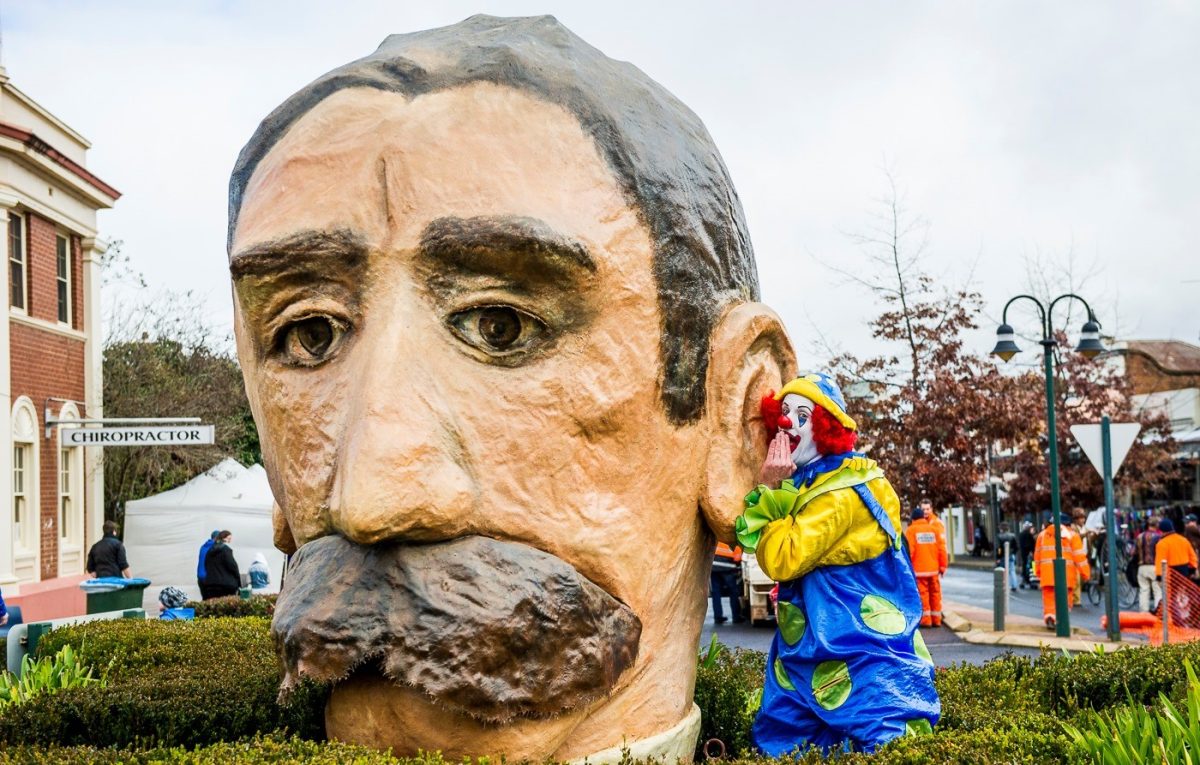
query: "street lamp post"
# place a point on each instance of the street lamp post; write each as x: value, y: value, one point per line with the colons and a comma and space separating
x: 1089, y: 346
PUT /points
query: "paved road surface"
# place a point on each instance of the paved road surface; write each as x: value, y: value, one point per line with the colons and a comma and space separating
x: 974, y: 588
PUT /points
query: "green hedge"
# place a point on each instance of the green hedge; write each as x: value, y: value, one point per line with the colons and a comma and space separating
x: 262, y: 750
x: 172, y: 683
x: 1011, y: 709
x: 255, y: 605
x: 197, y: 684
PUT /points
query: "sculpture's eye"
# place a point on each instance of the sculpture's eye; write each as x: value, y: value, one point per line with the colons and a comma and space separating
x: 312, y: 340
x: 498, y: 328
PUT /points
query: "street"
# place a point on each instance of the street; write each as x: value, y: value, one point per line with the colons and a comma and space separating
x: 973, y: 587
x: 968, y: 586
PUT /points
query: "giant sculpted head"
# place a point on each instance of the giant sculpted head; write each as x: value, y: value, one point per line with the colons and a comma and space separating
x: 495, y: 307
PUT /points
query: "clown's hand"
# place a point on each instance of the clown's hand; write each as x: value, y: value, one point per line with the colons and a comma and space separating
x: 859, y: 464
x: 778, y: 465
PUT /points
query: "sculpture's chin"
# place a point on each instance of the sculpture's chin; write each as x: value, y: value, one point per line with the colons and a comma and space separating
x: 372, y: 711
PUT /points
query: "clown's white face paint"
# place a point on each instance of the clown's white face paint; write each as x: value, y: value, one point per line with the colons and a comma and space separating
x: 798, y: 410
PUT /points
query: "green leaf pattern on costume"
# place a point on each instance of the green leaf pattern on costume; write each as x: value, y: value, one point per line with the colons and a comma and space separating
x: 882, y: 615
x: 919, y: 647
x: 831, y: 684
x: 791, y: 622
x: 781, y: 676
x: 917, y: 727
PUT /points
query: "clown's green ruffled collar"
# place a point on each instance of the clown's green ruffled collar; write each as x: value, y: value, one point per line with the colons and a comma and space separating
x: 765, y: 504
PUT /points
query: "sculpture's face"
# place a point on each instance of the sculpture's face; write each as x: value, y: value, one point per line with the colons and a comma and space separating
x: 448, y: 324
x: 799, y: 411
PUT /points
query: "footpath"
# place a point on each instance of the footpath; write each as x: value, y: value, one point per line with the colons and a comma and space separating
x: 973, y: 624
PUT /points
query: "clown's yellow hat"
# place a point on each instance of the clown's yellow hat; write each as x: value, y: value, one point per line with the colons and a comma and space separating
x: 823, y: 391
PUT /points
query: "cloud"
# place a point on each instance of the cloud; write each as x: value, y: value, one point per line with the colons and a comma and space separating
x: 1013, y: 128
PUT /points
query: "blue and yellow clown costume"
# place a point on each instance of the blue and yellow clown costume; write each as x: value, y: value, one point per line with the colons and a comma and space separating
x: 847, y: 667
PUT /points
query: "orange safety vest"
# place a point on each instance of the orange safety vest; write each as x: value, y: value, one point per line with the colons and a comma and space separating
x: 1072, y: 546
x: 927, y: 547
x: 725, y: 551
x: 1175, y: 550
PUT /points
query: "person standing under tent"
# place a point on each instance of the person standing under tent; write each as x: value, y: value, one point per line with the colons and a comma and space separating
x: 201, y: 580
x: 223, y: 576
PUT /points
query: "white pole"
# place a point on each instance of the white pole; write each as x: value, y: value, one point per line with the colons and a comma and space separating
x: 1166, y: 611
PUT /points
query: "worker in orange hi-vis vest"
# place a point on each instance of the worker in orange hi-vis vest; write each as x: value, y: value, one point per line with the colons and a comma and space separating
x: 1043, y: 558
x: 927, y: 548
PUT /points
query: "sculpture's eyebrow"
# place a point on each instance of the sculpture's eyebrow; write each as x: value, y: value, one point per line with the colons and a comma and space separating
x: 504, y: 246
x: 310, y: 253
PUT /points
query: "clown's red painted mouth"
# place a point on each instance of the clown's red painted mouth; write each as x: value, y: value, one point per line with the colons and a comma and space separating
x: 793, y: 441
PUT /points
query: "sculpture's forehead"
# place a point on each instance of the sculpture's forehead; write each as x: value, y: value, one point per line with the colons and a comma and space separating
x: 385, y: 164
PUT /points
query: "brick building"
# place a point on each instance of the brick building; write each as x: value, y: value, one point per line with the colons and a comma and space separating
x: 50, y: 350
x: 1165, y: 375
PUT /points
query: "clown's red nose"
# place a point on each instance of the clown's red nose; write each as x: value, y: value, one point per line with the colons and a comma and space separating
x: 785, y: 422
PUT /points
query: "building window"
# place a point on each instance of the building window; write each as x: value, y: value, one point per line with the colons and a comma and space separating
x: 63, y: 279
x: 21, y: 490
x: 16, y: 260
x: 66, y: 499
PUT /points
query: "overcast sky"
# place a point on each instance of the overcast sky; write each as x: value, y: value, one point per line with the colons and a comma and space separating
x: 1017, y: 130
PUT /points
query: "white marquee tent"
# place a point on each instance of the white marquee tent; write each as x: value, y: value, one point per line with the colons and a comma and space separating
x: 163, y: 533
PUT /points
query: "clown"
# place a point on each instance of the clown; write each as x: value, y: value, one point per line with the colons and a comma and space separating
x: 847, y: 667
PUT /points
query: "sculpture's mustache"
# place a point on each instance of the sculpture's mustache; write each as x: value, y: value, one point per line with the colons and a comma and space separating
x: 491, y: 629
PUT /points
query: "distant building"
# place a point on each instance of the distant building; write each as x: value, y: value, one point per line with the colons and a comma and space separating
x: 1165, y: 376
x: 50, y: 348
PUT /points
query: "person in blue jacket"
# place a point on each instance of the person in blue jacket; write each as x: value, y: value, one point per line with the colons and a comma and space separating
x: 201, y: 573
x: 847, y: 668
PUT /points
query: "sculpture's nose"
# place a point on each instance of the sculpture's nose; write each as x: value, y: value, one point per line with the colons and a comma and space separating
x: 402, y: 468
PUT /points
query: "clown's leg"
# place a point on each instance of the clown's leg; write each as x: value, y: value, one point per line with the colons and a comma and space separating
x: 787, y: 719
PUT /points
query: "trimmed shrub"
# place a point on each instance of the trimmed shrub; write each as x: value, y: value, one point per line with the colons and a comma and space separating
x: 728, y: 691
x: 256, y: 605
x: 263, y: 750
x: 171, y: 683
x: 1097, y: 681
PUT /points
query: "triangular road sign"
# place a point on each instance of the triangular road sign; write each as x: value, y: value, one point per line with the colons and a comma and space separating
x: 1121, y: 437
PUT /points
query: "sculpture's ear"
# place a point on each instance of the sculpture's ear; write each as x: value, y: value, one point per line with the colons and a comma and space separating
x: 284, y: 541
x: 749, y: 355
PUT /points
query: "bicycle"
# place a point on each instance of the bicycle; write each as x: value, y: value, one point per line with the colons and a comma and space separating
x: 1095, y: 587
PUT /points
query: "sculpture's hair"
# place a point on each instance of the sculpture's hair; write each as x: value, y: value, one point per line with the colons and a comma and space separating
x: 658, y: 150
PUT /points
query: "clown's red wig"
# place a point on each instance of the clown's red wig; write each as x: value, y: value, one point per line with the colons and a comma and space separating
x: 829, y: 435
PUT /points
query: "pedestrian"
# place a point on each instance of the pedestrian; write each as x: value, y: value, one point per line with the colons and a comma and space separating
x: 1077, y: 567
x: 1173, y: 550
x: 260, y: 575
x: 3, y: 611
x: 1191, y: 531
x: 1026, y: 542
x: 935, y: 520
x: 1147, y: 578
x: 1078, y: 520
x: 107, y: 557
x: 927, y: 549
x: 1006, y: 537
x: 200, y: 572
x: 221, y: 570
x: 726, y: 581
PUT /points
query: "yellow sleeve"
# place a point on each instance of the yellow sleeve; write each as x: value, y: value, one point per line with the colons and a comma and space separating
x: 833, y: 529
